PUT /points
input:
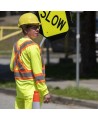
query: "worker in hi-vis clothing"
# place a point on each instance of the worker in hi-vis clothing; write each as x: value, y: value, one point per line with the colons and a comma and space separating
x: 27, y: 64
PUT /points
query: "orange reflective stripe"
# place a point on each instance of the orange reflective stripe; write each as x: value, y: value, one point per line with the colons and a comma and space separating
x: 40, y: 81
x: 21, y: 65
x: 22, y: 72
x: 25, y: 45
x: 40, y: 74
x: 25, y: 78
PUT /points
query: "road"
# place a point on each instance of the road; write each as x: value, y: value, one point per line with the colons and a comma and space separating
x: 7, y: 102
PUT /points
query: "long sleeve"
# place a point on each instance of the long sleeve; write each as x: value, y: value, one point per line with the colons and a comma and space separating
x: 12, y: 61
x: 36, y: 64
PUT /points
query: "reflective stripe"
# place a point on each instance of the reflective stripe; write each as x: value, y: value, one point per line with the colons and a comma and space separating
x: 25, y: 78
x: 18, y: 74
x: 39, y: 78
x: 25, y: 44
x: 23, y: 72
x: 19, y: 64
x: 40, y: 81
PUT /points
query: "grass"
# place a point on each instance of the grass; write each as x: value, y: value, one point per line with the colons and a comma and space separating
x: 7, y: 85
x: 74, y: 92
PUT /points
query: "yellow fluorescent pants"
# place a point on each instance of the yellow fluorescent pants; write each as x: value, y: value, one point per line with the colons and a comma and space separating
x: 21, y: 103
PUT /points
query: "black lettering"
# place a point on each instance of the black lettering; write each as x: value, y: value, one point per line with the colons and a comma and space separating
x: 47, y: 17
x: 61, y: 24
x: 43, y: 16
x: 54, y: 20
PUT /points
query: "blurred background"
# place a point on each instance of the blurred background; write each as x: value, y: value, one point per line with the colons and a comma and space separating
x: 59, y: 55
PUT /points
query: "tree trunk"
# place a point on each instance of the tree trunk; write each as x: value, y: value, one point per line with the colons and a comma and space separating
x: 88, y: 55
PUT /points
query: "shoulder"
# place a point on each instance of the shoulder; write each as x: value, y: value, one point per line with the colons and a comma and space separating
x: 34, y: 48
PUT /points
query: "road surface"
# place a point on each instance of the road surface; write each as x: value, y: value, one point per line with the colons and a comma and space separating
x: 7, y: 102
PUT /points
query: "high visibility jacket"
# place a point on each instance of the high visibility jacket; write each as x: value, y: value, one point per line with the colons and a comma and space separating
x: 28, y: 68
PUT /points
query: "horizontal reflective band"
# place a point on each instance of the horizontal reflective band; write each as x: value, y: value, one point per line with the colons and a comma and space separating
x: 23, y: 71
x: 23, y: 75
x: 40, y: 81
x: 25, y: 78
x: 39, y: 77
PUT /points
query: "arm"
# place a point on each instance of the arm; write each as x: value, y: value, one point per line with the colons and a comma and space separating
x: 12, y: 61
x: 36, y: 64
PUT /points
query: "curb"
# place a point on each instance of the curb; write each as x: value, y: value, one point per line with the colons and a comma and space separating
x: 60, y: 99
x: 68, y: 100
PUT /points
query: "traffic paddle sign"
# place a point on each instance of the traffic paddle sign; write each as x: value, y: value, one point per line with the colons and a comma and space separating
x: 54, y: 24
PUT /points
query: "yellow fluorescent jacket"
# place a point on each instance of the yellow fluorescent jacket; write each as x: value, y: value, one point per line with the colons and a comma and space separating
x: 28, y: 68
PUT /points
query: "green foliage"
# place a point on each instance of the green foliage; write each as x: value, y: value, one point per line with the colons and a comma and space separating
x: 74, y: 92
x: 7, y: 85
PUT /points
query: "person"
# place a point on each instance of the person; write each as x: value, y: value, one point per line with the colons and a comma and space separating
x: 27, y: 64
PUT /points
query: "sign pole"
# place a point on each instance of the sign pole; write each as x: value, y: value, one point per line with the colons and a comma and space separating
x: 77, y: 47
x: 43, y: 40
x: 47, y: 44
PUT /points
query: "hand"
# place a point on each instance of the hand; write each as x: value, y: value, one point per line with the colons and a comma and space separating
x: 47, y: 98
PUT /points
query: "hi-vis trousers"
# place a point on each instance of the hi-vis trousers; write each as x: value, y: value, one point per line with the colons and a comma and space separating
x: 21, y: 103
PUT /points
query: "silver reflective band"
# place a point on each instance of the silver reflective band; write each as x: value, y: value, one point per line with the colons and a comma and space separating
x: 39, y: 78
x: 20, y: 74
